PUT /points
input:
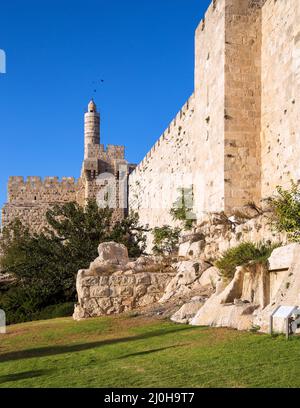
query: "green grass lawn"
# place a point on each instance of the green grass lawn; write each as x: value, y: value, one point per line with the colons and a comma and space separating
x: 138, y: 352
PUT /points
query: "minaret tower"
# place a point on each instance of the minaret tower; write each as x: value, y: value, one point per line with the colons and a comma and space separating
x: 91, y: 127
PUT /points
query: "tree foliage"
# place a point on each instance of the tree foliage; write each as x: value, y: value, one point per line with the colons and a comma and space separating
x: 286, y: 209
x: 182, y: 208
x: 165, y: 240
x: 45, y: 265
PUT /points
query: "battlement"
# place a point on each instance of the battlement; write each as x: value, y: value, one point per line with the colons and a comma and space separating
x: 116, y: 151
x: 36, y: 190
x: 168, y: 133
x: 20, y: 181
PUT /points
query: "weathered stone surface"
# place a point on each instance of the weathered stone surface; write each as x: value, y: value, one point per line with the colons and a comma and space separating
x: 222, y: 310
x: 288, y: 294
x: 210, y: 277
x: 121, y: 291
x: 186, y: 279
x: 113, y: 253
x: 187, y: 312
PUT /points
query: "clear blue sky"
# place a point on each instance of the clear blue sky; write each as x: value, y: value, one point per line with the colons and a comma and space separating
x: 144, y: 51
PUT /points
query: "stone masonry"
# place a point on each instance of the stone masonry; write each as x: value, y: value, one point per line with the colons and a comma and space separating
x: 102, y: 172
x: 233, y: 141
x: 237, y: 137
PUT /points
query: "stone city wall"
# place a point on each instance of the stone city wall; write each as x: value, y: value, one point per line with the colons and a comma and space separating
x: 153, y: 185
x: 215, y: 148
x: 29, y: 200
x: 280, y: 133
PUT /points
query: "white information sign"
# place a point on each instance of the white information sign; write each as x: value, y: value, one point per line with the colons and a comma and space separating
x: 284, y: 311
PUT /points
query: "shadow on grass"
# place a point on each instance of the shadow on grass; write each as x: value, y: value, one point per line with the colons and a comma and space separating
x: 54, y: 350
x: 144, y: 353
x: 23, y: 376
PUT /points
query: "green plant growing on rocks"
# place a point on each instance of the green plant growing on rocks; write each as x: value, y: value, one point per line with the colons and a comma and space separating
x: 165, y: 240
x: 286, y: 211
x: 45, y: 265
x: 182, y: 208
x: 244, y: 254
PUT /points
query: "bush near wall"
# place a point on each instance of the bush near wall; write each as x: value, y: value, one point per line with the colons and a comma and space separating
x: 243, y: 254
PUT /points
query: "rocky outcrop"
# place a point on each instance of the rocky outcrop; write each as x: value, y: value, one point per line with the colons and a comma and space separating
x: 217, y: 232
x: 186, y: 313
x: 288, y: 293
x: 282, y: 257
x: 113, y: 284
x: 252, y: 295
x: 188, y: 279
x: 228, y: 308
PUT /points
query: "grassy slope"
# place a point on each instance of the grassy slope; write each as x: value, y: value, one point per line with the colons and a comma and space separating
x: 139, y: 352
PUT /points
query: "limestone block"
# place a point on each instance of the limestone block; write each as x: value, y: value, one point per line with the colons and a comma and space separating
x: 210, y: 277
x: 146, y: 300
x: 104, y: 303
x: 153, y: 289
x: 187, y: 312
x: 140, y: 290
x: 184, y: 249
x: 126, y: 291
x: 99, y: 291
x: 143, y: 278
x: 127, y: 280
x: 195, y: 250
x: 281, y: 258
x: 79, y: 313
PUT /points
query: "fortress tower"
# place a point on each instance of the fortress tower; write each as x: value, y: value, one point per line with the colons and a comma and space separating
x: 29, y: 200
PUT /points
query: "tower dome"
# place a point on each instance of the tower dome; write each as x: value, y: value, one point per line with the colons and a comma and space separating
x: 92, y: 107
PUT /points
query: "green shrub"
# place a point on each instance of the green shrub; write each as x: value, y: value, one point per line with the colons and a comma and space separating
x: 165, y: 240
x: 45, y: 265
x: 286, y: 209
x: 242, y: 255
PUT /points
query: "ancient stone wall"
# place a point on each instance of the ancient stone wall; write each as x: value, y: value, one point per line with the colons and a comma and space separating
x: 207, y: 148
x: 190, y: 153
x: 154, y: 183
x: 242, y: 113
x: 104, y: 295
x: 219, y: 152
x: 28, y: 200
x: 280, y: 133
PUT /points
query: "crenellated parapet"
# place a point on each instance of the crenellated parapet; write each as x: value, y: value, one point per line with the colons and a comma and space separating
x: 37, y: 190
x: 171, y: 133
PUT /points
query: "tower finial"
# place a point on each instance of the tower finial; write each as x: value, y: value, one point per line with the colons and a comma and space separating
x: 92, y: 108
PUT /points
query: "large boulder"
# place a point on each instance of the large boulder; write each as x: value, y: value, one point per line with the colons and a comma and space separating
x: 111, y: 257
x: 114, y: 285
x: 282, y: 257
x: 210, y: 276
x: 113, y: 253
x: 288, y: 292
x: 223, y: 310
x: 186, y: 313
